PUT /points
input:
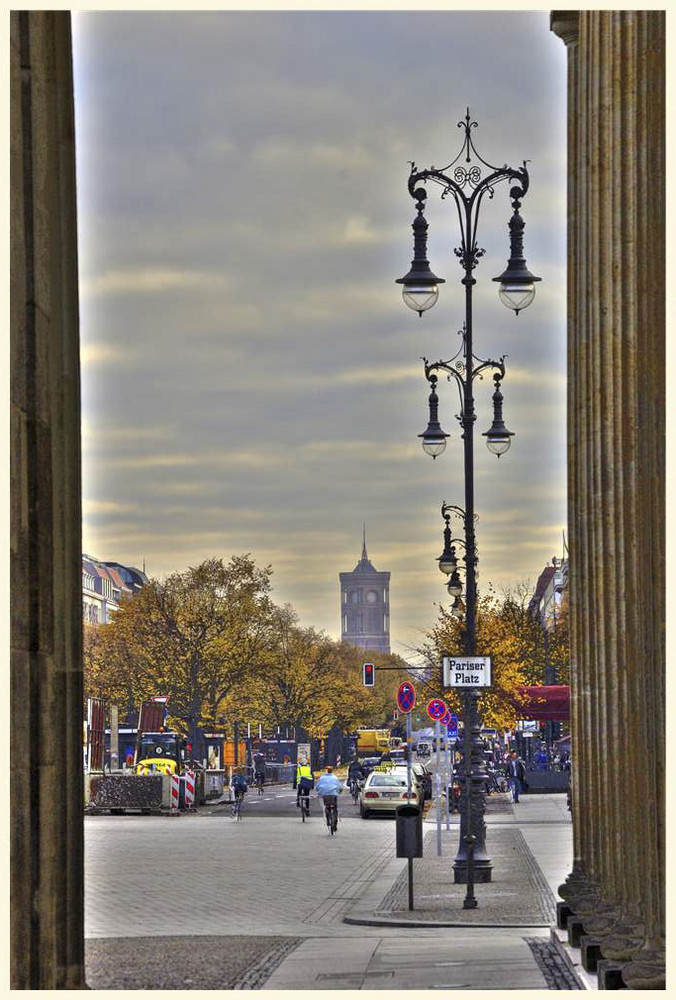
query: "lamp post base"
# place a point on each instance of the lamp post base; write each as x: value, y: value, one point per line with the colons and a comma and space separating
x: 482, y: 873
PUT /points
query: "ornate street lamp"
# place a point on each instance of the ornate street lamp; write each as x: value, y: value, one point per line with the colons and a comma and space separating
x: 498, y: 437
x: 433, y: 438
x: 467, y: 180
x: 420, y: 289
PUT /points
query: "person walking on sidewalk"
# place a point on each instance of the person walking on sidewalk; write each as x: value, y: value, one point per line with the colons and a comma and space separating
x: 516, y: 775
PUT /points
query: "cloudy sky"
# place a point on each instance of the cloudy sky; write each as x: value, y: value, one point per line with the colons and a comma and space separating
x: 251, y: 378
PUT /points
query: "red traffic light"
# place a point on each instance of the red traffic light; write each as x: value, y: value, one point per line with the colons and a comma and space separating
x: 369, y: 675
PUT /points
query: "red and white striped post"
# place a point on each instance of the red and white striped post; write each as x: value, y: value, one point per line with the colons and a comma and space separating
x: 175, y: 783
x: 190, y: 789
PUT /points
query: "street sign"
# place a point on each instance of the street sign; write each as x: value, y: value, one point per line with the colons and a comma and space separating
x: 406, y: 697
x: 445, y: 719
x: 369, y: 675
x: 453, y: 727
x: 436, y: 708
x: 466, y: 671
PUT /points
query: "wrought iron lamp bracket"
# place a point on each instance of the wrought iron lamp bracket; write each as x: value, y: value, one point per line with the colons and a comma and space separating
x: 470, y: 179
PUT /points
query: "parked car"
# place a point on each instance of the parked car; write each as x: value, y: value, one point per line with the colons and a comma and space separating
x: 383, y: 791
x: 422, y: 776
x: 368, y: 763
x: 396, y: 756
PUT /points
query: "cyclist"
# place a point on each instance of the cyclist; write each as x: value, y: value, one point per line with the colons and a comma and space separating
x: 329, y: 788
x: 304, y: 780
x: 239, y: 788
x: 259, y: 771
x: 355, y: 774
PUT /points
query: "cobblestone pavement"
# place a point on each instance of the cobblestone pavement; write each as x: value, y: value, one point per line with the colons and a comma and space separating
x: 184, y: 963
x: 555, y: 970
x: 204, y: 902
x: 517, y: 894
x: 207, y: 874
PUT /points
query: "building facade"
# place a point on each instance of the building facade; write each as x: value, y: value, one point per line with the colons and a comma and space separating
x: 104, y: 584
x: 365, y: 606
x: 549, y: 597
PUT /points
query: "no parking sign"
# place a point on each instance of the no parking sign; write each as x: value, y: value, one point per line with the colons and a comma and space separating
x: 406, y: 697
x: 436, y: 709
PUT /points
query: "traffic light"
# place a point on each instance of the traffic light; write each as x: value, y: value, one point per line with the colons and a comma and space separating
x: 369, y: 675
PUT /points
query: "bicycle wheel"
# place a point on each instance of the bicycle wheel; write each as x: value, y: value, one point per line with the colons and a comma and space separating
x: 334, y: 821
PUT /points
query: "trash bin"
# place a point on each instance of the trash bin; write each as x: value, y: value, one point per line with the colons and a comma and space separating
x: 409, y: 832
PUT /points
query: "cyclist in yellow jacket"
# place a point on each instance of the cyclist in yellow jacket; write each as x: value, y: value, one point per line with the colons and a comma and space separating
x: 304, y: 780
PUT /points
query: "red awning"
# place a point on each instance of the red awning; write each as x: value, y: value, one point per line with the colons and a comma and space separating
x: 545, y: 702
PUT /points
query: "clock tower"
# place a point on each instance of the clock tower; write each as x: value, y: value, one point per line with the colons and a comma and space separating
x: 365, y: 605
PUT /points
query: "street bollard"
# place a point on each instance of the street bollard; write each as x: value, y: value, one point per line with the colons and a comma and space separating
x: 175, y: 784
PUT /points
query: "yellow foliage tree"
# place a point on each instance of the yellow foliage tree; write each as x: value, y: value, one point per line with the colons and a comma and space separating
x: 509, y: 635
x: 305, y: 679
x: 195, y: 637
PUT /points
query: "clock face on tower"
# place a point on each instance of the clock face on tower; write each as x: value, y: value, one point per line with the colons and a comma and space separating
x: 371, y: 597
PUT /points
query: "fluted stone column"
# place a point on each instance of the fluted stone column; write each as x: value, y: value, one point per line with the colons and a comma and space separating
x: 616, y: 427
x: 46, y: 793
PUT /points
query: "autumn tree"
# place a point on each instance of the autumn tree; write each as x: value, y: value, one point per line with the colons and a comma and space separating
x: 519, y: 647
x: 306, y: 679
x: 194, y: 637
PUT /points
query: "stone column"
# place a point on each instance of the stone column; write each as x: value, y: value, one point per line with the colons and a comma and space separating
x: 616, y: 428
x: 46, y: 815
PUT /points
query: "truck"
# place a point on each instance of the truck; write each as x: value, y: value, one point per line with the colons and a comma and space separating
x: 372, y: 741
x: 161, y: 753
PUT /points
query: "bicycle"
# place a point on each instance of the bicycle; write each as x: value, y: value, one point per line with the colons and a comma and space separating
x: 260, y: 781
x: 305, y: 806
x: 354, y: 790
x: 331, y: 812
x: 237, y: 805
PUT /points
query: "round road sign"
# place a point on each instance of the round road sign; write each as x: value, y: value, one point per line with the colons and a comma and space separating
x: 436, y: 708
x: 406, y: 697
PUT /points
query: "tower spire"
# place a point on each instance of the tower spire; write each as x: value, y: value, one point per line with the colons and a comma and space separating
x: 363, y: 548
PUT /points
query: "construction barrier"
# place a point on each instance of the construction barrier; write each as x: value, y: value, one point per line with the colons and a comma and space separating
x: 190, y: 789
x: 214, y: 784
x: 175, y: 785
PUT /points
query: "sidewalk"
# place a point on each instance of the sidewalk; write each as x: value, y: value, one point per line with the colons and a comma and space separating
x: 503, y: 944
x: 530, y: 845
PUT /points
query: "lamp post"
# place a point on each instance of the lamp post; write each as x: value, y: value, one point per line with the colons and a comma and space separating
x: 468, y: 179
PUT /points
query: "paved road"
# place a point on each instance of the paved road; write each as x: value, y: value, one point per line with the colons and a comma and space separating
x: 241, y: 890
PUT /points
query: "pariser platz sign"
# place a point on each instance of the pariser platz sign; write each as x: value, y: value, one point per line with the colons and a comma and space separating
x: 466, y: 671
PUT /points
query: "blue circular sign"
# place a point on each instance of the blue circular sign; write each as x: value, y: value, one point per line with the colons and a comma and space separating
x: 406, y: 697
x: 436, y: 708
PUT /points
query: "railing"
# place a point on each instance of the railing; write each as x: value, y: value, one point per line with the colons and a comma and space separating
x: 279, y: 774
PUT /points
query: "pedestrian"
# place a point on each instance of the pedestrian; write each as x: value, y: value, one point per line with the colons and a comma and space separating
x: 516, y: 774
